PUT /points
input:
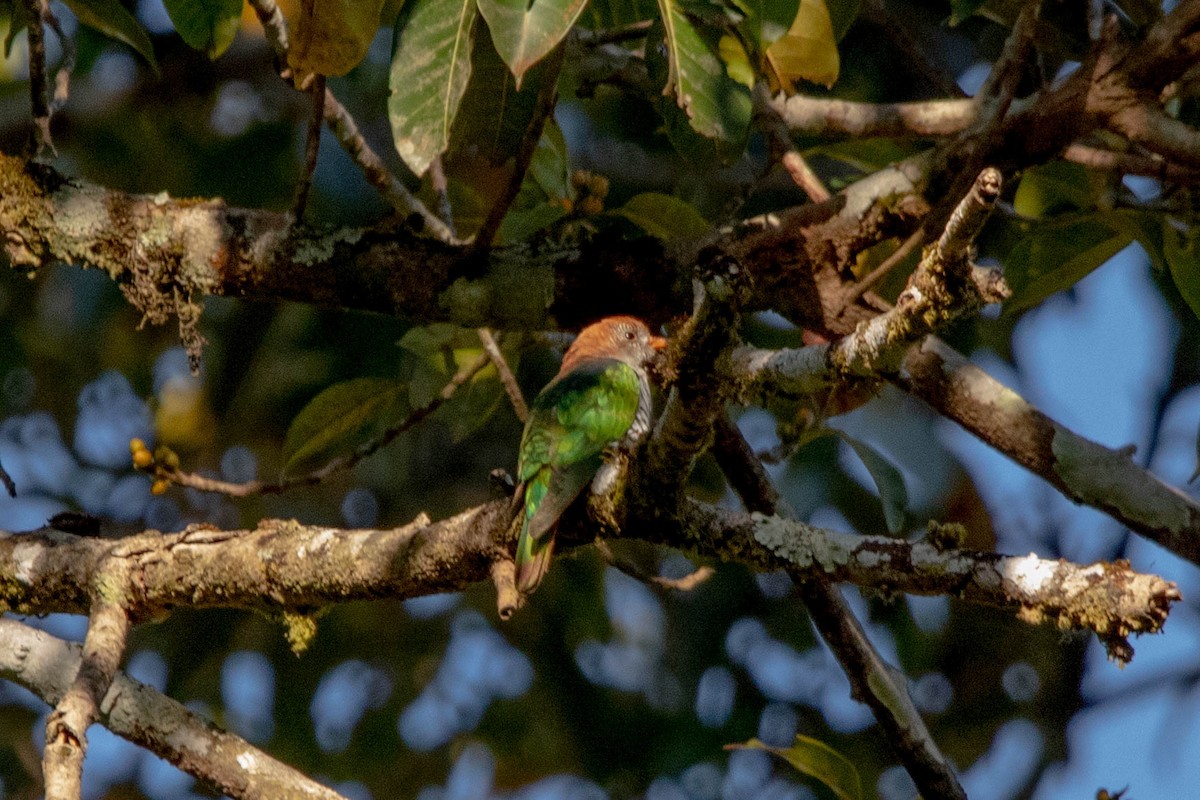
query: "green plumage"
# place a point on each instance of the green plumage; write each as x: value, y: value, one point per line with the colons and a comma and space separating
x: 574, y: 418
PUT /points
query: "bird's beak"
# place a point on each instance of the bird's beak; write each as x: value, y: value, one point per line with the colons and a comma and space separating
x: 659, y: 343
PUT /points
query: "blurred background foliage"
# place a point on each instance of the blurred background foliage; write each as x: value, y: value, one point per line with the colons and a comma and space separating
x: 601, y: 686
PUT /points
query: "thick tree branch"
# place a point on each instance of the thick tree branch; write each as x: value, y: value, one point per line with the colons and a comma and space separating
x: 283, y: 565
x: 46, y: 666
x: 1082, y: 470
x: 923, y: 118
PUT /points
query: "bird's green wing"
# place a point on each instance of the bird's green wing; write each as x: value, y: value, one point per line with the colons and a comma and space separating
x: 571, y: 422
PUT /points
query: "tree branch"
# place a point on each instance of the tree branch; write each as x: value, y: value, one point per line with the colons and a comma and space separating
x: 283, y: 565
x: 103, y: 648
x: 873, y: 681
x: 45, y: 665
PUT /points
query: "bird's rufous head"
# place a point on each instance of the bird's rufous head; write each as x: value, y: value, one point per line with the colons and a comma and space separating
x: 624, y: 338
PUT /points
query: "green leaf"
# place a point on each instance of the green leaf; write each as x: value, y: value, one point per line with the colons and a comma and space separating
x: 431, y: 65
x: 716, y: 106
x: 521, y: 224
x: 818, y: 760
x: 1183, y: 259
x: 664, y: 216
x: 808, y: 50
x: 206, y: 25
x: 494, y: 114
x: 113, y: 20
x: 524, y: 32
x: 330, y: 37
x: 1056, y: 256
x: 1054, y: 188
x: 888, y: 480
x: 340, y: 418
x: 550, y: 168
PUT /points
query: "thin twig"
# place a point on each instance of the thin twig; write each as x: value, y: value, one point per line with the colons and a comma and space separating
x: 1129, y: 163
x: 441, y: 190
x: 687, y: 583
x: 543, y: 110
x: 511, y: 387
x: 312, y: 147
x: 62, y: 78
x: 340, y: 463
x: 9, y: 485
x: 782, y: 150
x: 40, y: 105
x: 876, y: 275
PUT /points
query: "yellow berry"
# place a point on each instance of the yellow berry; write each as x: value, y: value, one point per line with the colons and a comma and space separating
x: 160, y: 486
x: 142, y: 458
x: 136, y: 445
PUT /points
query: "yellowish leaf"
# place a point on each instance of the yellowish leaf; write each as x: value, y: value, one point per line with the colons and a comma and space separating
x: 808, y: 50
x: 331, y: 36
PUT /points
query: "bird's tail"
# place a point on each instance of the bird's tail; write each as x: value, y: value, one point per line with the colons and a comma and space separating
x: 533, y: 557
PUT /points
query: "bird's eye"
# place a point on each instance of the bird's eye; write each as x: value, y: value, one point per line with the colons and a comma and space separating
x: 629, y: 334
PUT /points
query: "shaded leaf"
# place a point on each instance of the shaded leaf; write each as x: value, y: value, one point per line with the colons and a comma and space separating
x: 1053, y: 188
x: 818, y: 760
x: 524, y: 32
x: 716, y: 106
x: 664, y: 216
x: 114, y: 20
x: 206, y: 25
x: 550, y: 167
x: 1183, y: 260
x: 494, y: 114
x: 18, y: 20
x: 1056, y: 256
x: 601, y: 14
x: 808, y: 50
x: 330, y: 37
x: 431, y: 65
x: 888, y: 480
x: 340, y: 418
x: 521, y: 224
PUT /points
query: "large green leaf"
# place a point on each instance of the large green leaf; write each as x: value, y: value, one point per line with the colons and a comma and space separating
x: 664, y: 216
x: 716, y: 106
x: 207, y: 25
x: 431, y: 65
x: 888, y: 480
x: 330, y: 37
x: 1057, y: 255
x: 524, y: 32
x: 1182, y: 254
x: 340, y: 418
x: 818, y: 760
x: 114, y: 20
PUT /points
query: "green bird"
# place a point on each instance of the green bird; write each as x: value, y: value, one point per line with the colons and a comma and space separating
x: 600, y: 398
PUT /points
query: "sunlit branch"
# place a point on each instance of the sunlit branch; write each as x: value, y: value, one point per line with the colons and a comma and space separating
x: 46, y: 666
x: 103, y: 648
x: 511, y: 387
x: 286, y: 566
